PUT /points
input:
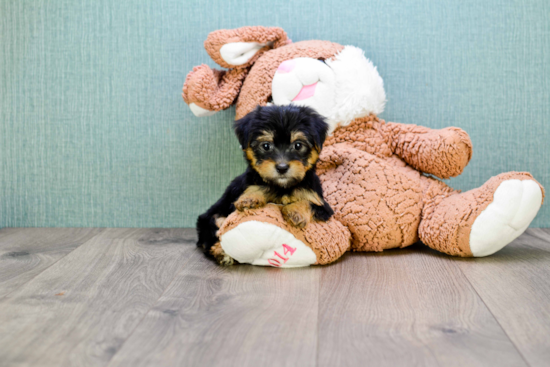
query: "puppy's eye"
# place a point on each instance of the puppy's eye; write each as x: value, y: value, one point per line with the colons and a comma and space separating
x: 266, y: 146
x: 298, y: 146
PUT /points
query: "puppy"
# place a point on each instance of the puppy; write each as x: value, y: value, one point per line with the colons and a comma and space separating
x: 281, y: 145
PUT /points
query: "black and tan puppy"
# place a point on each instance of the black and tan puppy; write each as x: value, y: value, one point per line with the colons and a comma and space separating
x: 282, y: 145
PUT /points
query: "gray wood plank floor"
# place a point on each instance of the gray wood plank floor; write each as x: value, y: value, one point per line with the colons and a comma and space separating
x: 148, y: 297
x: 26, y: 253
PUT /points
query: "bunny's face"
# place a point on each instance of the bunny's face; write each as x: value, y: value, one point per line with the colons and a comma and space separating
x: 341, y: 88
x: 340, y: 83
x: 307, y: 82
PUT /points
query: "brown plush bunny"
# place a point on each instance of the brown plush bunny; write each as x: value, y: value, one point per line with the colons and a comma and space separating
x: 377, y: 176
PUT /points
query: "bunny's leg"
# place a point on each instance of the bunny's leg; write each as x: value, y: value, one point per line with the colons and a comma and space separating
x: 481, y: 221
x: 263, y: 237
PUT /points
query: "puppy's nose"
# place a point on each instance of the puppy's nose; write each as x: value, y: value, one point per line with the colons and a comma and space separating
x: 281, y: 167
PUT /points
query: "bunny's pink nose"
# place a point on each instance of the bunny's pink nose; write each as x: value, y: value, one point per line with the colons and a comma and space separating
x: 286, y: 66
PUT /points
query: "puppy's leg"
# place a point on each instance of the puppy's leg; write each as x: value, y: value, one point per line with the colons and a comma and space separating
x: 208, y: 223
x: 321, y: 210
x: 207, y: 231
x: 253, y: 197
x: 322, y: 213
x: 303, y: 206
x: 221, y: 257
x: 298, y: 213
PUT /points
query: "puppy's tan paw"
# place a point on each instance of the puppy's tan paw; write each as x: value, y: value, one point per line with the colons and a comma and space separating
x: 219, y: 221
x: 298, y: 214
x: 250, y: 201
x: 221, y: 257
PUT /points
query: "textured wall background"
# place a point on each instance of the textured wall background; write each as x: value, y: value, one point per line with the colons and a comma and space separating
x: 93, y: 130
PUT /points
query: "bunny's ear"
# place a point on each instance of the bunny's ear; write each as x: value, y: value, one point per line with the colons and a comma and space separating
x: 241, y: 47
x: 208, y: 91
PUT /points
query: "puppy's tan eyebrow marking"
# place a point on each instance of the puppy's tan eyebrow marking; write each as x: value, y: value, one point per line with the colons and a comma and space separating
x: 266, y: 136
x: 297, y: 135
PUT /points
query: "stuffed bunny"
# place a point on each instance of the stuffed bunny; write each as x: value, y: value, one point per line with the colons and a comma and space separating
x: 378, y: 177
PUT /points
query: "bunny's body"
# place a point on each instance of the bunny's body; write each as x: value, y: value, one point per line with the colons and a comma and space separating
x: 377, y: 176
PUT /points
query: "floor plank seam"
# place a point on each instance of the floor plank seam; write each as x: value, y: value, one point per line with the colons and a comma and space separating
x: 496, y: 319
x: 144, y: 316
x: 6, y: 297
x: 318, y: 319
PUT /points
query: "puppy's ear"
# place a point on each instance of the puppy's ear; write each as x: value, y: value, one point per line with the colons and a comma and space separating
x: 243, y: 129
x: 321, y: 130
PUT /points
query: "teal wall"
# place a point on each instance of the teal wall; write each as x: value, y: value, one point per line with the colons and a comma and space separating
x: 94, y: 132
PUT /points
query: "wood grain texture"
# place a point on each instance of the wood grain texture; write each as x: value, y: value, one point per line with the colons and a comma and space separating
x: 408, y: 307
x: 237, y: 316
x: 79, y: 311
x: 24, y: 253
x: 515, y: 285
x: 148, y: 297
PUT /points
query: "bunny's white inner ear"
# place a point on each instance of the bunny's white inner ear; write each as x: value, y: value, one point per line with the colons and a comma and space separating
x: 239, y: 53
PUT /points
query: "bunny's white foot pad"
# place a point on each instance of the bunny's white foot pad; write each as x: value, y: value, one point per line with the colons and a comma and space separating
x: 260, y: 243
x: 515, y: 204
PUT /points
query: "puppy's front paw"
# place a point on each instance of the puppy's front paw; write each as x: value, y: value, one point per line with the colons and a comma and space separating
x: 298, y: 214
x: 221, y: 257
x: 219, y: 223
x: 250, y: 201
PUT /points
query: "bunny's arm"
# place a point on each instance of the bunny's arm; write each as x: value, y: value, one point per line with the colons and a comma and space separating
x: 443, y: 153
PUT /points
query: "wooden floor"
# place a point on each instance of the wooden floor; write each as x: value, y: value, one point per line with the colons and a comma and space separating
x: 148, y: 297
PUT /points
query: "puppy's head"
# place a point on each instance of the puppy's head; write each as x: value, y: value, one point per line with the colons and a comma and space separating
x: 281, y: 143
